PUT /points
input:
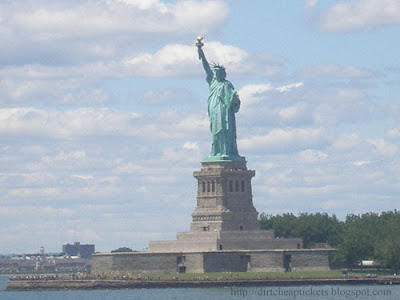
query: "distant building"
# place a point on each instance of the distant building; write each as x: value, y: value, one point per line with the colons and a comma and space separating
x: 67, y: 264
x: 78, y: 249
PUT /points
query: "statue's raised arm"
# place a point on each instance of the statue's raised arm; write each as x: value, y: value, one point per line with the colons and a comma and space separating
x: 203, y: 59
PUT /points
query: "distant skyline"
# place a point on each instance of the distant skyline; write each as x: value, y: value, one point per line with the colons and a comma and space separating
x: 103, y: 114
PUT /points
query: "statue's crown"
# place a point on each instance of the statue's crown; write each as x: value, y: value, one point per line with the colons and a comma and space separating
x: 218, y: 66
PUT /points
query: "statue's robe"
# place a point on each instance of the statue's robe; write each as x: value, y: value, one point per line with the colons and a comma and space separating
x: 223, y: 103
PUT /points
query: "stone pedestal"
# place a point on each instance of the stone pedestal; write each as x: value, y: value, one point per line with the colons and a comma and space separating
x: 224, y: 217
x: 224, y: 198
x: 224, y: 235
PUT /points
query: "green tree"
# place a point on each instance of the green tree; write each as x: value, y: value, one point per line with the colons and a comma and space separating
x: 359, y: 239
x: 318, y: 228
x: 387, y: 248
x: 122, y: 249
x: 282, y: 225
x: 370, y: 236
x: 312, y: 228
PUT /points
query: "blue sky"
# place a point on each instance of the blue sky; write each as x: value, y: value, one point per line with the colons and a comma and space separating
x: 103, y: 112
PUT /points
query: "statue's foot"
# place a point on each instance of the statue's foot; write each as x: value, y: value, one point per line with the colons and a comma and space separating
x: 224, y: 157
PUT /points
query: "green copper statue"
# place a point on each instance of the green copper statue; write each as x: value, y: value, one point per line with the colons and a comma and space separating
x: 223, y: 103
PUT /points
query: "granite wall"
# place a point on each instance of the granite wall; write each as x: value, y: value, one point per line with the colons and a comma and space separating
x: 277, y: 260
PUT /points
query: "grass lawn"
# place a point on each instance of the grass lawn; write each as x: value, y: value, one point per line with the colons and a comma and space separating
x: 270, y: 275
x: 249, y: 275
x: 380, y: 272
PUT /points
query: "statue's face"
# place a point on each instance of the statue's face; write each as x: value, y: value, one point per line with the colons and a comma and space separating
x: 220, y: 74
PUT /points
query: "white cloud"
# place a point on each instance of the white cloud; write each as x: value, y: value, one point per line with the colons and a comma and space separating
x: 190, y: 146
x: 39, y: 84
x: 276, y: 106
x: 174, y: 156
x: 83, y: 177
x: 310, y: 156
x: 67, y: 123
x: 147, y: 4
x: 36, y: 192
x: 178, y: 60
x: 91, y: 96
x: 356, y: 15
x: 393, y: 133
x: 286, y: 88
x: 284, y: 140
x: 60, y: 52
x: 172, y: 60
x: 129, y: 168
x: 84, y: 234
x: 189, y: 124
x: 49, y: 21
x: 334, y: 204
x: 347, y: 142
x: 33, y: 149
x: 75, y: 155
x: 341, y: 105
x: 292, y: 113
x: 383, y: 147
x: 334, y: 71
x: 166, y: 96
x: 346, y: 94
x: 82, y: 84
x: 254, y: 93
x: 361, y: 163
x: 21, y: 211
x: 310, y: 3
x: 108, y: 191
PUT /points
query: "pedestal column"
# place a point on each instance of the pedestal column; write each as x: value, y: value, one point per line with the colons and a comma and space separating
x: 224, y: 198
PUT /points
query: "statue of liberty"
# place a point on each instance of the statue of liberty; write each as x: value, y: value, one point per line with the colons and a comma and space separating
x: 223, y: 102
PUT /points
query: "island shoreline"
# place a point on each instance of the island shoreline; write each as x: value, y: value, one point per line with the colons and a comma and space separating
x: 59, y: 284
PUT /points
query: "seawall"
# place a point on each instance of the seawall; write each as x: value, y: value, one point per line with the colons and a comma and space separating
x: 27, y: 285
